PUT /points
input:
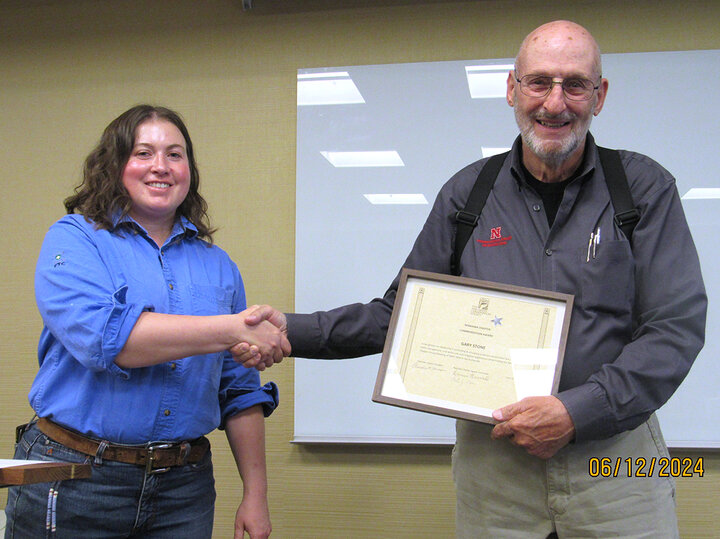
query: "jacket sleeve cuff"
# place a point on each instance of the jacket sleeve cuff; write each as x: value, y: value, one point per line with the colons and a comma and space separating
x: 303, y: 333
x: 588, y: 407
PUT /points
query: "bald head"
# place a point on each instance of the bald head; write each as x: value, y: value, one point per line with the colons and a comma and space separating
x: 554, y: 125
x: 559, y: 39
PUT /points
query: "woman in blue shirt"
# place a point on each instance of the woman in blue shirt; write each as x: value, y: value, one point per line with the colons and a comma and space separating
x: 139, y: 311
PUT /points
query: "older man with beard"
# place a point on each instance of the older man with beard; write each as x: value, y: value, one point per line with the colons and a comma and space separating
x: 638, y: 319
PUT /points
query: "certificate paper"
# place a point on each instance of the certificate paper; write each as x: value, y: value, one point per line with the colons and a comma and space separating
x: 463, y: 348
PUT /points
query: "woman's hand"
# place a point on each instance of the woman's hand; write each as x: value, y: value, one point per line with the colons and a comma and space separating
x: 264, y: 338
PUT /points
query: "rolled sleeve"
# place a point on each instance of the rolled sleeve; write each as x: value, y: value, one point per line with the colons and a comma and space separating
x: 240, y: 389
x: 235, y: 400
x: 81, y: 304
x: 120, y: 322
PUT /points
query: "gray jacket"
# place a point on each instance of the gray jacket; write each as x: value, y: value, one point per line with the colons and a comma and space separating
x: 638, y: 319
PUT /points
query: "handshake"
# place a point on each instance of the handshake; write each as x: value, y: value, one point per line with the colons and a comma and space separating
x: 262, y: 340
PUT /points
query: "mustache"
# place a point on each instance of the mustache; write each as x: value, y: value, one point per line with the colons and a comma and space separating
x: 565, y: 116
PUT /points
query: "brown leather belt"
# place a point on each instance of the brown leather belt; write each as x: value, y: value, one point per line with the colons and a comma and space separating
x: 154, y: 457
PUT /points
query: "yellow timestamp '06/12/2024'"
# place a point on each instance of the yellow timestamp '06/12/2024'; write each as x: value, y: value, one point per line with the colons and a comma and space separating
x: 646, y: 467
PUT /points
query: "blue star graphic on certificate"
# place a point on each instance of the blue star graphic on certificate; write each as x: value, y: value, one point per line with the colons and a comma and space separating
x: 497, y: 321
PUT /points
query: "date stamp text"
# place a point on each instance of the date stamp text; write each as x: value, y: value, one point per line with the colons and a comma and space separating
x: 646, y: 467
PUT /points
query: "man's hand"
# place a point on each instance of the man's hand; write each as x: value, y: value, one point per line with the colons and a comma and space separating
x: 258, y: 313
x: 250, y: 354
x: 540, y: 425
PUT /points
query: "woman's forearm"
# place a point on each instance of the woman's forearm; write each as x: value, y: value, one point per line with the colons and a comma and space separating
x: 158, y: 338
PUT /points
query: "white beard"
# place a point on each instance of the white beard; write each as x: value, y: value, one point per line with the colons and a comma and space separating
x: 552, y: 153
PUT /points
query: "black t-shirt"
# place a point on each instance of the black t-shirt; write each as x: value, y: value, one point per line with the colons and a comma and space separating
x: 551, y: 193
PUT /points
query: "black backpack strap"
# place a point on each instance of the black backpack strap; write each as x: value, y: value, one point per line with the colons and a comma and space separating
x: 467, y: 218
x: 626, y: 214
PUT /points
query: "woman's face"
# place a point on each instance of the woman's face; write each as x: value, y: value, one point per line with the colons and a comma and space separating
x: 157, y: 174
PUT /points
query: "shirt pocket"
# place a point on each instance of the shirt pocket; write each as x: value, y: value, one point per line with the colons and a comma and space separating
x: 607, y: 279
x: 208, y: 300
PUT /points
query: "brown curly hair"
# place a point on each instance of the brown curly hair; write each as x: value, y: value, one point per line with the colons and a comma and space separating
x: 102, y: 195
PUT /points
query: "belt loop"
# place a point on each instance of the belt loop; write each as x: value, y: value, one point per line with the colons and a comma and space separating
x: 19, y: 431
x: 184, y: 452
x: 99, y: 453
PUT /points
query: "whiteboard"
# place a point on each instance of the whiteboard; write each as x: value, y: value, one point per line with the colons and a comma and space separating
x: 423, y: 125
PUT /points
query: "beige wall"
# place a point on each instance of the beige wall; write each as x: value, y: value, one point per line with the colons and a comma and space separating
x: 68, y: 67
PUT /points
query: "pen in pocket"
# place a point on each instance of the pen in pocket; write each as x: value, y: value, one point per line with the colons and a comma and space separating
x: 593, y: 242
x: 596, y: 241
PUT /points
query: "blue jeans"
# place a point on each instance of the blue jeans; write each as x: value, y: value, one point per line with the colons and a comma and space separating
x: 118, y: 500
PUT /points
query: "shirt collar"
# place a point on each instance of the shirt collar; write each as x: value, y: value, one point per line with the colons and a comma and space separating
x: 181, y: 227
x: 589, y: 162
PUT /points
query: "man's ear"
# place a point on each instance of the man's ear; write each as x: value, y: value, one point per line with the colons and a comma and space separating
x: 511, y: 82
x: 602, y: 92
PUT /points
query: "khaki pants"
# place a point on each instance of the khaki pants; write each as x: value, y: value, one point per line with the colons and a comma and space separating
x: 502, y: 492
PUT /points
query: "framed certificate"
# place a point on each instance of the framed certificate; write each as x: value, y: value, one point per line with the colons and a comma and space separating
x: 462, y: 347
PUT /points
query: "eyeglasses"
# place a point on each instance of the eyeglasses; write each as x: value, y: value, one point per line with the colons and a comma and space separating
x: 575, y: 89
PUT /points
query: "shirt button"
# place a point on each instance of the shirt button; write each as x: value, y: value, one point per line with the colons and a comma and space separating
x: 166, y: 412
x: 171, y: 286
x: 548, y: 252
x: 173, y: 366
x: 536, y: 207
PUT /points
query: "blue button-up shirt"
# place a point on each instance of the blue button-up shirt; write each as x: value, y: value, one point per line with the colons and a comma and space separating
x: 91, y: 286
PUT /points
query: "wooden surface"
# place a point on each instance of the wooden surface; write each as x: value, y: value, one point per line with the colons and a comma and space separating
x: 42, y: 472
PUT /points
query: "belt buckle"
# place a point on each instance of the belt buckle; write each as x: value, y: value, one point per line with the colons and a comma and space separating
x: 151, y: 448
